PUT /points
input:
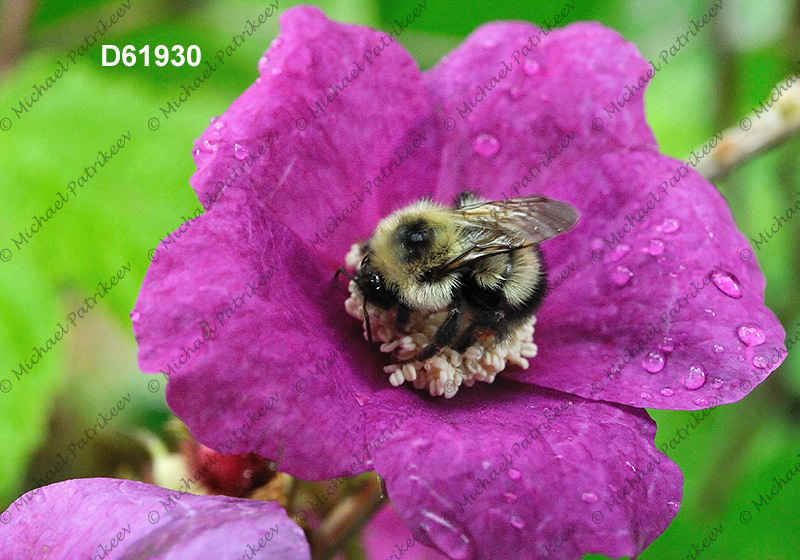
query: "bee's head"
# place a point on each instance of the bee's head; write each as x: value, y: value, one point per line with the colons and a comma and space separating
x: 372, y: 284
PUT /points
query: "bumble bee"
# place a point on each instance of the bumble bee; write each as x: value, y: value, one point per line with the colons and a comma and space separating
x: 479, y: 261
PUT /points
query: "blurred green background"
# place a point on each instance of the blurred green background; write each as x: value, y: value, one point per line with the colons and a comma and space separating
x: 141, y: 194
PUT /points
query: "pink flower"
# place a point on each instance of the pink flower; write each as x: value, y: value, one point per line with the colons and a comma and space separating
x: 243, y: 315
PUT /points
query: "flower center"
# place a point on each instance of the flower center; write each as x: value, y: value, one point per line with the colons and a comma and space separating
x: 443, y: 373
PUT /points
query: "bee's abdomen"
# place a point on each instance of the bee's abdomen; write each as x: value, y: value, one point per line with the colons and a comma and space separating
x: 507, y: 287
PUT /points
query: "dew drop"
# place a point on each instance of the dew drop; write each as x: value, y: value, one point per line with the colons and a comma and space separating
x: 196, y: 152
x: 751, y: 334
x: 728, y: 284
x: 716, y: 383
x: 486, y: 465
x: 694, y: 378
x: 530, y: 67
x: 514, y: 474
x: 670, y: 225
x: 619, y: 252
x: 653, y: 362
x: 206, y: 146
x: 667, y: 344
x: 646, y: 396
x: 710, y: 313
x: 446, y: 537
x: 517, y: 522
x: 263, y: 64
x: 701, y: 402
x: 486, y: 145
x: 509, y: 497
x: 135, y: 316
x: 718, y: 349
x: 621, y: 275
x: 589, y: 497
x: 674, y: 505
x: 215, y: 131
x: 655, y: 248
x: 667, y: 392
x: 515, y: 92
x: 489, y: 43
x: 630, y: 466
x: 239, y: 152
x: 760, y: 362
x: 276, y: 71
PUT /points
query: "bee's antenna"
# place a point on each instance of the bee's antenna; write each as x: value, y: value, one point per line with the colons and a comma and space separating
x: 369, y: 329
x: 341, y: 270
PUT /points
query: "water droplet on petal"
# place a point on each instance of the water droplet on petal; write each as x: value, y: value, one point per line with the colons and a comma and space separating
x: 670, y: 225
x: 196, y: 152
x: 530, y: 67
x: 653, y: 362
x: 621, y: 275
x: 446, y: 537
x: 619, y: 252
x: 489, y: 43
x: 239, y: 152
x: 701, y: 402
x: 674, y: 505
x: 206, y: 146
x: 718, y: 349
x: 656, y: 247
x: 135, y: 316
x: 710, y: 313
x: 514, y: 474
x: 276, y: 71
x: 516, y: 521
x: 728, y: 284
x: 760, y: 362
x: 509, y: 497
x: 515, y: 92
x: 486, y: 145
x: 630, y: 466
x: 486, y: 465
x: 667, y: 392
x: 646, y: 396
x: 263, y: 64
x: 667, y: 344
x: 716, y: 383
x: 751, y: 334
x: 694, y: 378
x: 589, y: 497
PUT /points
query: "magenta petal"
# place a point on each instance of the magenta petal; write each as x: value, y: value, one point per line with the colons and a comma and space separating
x: 248, y: 355
x: 637, y: 320
x: 618, y: 275
x: 503, y: 128
x: 385, y: 535
x: 103, y: 517
x: 336, y: 120
x: 463, y: 472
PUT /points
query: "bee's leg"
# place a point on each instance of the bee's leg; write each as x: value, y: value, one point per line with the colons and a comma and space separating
x: 465, y: 339
x: 447, y: 332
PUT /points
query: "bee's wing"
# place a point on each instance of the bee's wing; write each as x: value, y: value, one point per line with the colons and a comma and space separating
x: 497, y: 227
x: 534, y: 218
